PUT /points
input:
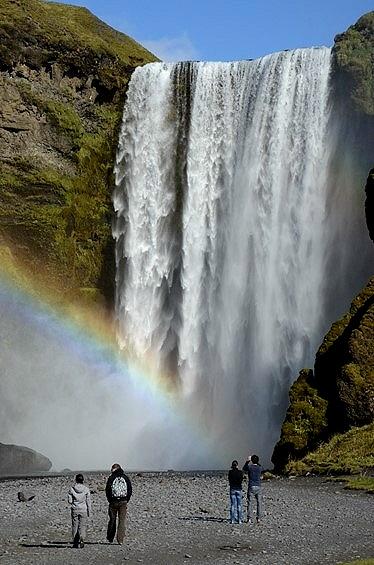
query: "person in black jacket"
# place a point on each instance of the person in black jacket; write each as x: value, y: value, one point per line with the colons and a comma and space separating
x: 235, y: 482
x: 118, y: 492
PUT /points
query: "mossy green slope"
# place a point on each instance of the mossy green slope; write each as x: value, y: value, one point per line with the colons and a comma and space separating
x: 305, y: 422
x: 348, y: 453
x: 63, y: 80
x: 33, y: 29
x: 344, y: 367
x: 354, y: 60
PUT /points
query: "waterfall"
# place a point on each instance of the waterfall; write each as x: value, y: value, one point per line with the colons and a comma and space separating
x: 227, y: 211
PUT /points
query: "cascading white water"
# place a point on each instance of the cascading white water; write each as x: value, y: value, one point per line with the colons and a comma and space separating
x: 225, y: 202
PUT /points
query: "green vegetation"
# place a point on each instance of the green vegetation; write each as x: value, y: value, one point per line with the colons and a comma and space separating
x: 360, y: 483
x: 361, y: 562
x: 70, y: 73
x: 337, y: 396
x: 354, y: 60
x: 70, y: 215
x: 73, y: 29
x: 349, y: 453
x: 344, y: 367
x: 305, y: 421
x: 61, y: 115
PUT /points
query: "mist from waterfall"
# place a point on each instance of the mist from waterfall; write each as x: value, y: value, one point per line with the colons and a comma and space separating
x: 239, y: 217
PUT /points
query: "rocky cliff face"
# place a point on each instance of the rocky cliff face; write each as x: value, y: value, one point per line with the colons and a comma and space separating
x: 63, y: 77
x: 339, y: 393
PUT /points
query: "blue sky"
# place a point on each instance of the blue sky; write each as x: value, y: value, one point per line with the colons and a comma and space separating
x: 218, y: 30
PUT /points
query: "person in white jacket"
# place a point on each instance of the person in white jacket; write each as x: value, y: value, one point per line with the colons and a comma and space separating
x: 80, y: 502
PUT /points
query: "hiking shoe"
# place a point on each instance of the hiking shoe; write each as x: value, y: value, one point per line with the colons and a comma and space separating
x: 81, y: 544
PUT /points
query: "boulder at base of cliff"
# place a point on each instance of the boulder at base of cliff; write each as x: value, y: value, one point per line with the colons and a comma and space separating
x: 19, y: 460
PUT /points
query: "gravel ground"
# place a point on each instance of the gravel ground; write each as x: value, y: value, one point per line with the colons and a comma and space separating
x: 176, y: 518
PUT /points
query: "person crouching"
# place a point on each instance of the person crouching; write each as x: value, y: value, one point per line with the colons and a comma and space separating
x: 80, y: 502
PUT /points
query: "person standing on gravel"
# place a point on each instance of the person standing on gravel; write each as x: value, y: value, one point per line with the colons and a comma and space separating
x: 118, y: 492
x: 236, y: 494
x: 80, y: 502
x: 254, y: 470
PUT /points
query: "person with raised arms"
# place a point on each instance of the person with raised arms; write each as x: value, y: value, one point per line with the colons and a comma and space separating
x: 253, y: 468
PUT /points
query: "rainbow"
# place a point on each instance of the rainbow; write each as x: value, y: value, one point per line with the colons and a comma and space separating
x: 87, y: 333
x: 86, y: 337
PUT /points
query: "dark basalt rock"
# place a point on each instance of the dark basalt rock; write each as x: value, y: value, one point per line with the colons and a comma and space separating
x: 369, y: 203
x: 19, y: 460
x: 25, y: 496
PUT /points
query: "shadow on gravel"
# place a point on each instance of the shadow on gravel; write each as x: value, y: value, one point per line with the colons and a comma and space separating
x: 202, y: 519
x: 235, y: 547
x: 48, y: 545
x: 62, y: 544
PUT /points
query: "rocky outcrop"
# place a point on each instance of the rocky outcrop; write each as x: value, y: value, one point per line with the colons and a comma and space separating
x: 344, y: 367
x: 339, y: 393
x: 305, y: 422
x: 63, y: 78
x: 18, y: 460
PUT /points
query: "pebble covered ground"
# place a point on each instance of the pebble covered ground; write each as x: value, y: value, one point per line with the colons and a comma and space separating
x: 176, y: 518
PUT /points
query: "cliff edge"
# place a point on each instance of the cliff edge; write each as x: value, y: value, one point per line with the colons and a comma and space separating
x: 63, y: 78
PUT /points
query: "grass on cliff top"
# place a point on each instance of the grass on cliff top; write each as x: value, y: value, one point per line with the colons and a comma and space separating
x: 72, y: 26
x: 348, y: 453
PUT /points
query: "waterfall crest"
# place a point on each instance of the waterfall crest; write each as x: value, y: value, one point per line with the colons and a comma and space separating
x: 227, y: 209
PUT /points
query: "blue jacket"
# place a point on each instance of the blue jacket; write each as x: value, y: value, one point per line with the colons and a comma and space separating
x: 254, y: 474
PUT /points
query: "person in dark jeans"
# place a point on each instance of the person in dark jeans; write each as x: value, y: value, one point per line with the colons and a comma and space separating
x: 118, y: 492
x: 254, y: 470
x: 236, y: 494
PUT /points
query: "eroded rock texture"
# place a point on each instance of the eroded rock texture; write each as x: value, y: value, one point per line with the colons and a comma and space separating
x: 63, y: 77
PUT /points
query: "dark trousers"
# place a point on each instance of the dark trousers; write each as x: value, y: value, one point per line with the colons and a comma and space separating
x: 120, y: 509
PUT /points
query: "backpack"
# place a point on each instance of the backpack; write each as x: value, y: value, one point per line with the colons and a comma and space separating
x: 119, y: 488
